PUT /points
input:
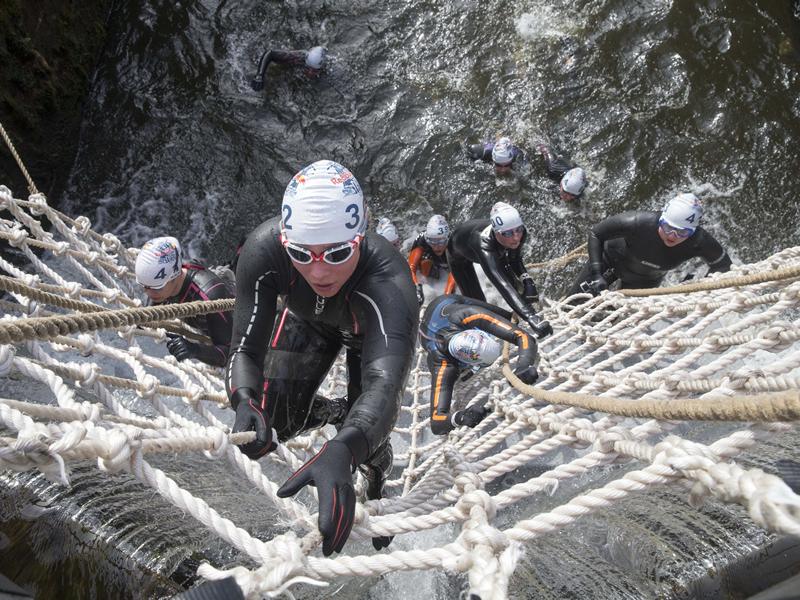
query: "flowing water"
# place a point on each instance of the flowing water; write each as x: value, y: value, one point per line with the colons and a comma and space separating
x: 650, y: 97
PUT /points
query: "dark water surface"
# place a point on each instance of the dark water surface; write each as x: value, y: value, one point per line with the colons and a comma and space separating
x: 650, y: 97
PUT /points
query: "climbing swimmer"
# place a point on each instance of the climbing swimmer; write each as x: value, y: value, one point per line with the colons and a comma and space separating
x: 312, y: 61
x: 387, y: 229
x: 502, y: 153
x: 428, y: 255
x: 496, y: 244
x: 638, y: 248
x: 167, y: 279
x: 460, y: 335
x: 343, y: 287
x: 571, y: 178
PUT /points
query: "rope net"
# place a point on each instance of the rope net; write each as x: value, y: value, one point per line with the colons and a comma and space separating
x: 615, y: 377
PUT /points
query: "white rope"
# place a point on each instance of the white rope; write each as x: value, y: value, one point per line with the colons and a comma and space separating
x: 703, y: 345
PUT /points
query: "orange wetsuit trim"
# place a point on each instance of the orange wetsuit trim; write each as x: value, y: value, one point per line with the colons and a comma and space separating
x: 438, y: 388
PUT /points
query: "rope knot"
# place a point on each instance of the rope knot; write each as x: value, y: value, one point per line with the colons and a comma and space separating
x: 220, y: 441
x: 89, y: 373
x: 7, y: 354
x: 91, y: 258
x: 110, y: 242
x: 148, y: 386
x: 73, y: 289
x: 467, y: 482
x: 477, y: 498
x: 117, y: 452
x: 61, y: 248
x: 82, y: 225
x: 39, y: 202
x: 85, y: 343
x: 18, y: 237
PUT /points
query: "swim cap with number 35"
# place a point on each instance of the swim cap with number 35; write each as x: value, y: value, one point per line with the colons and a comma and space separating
x: 323, y: 204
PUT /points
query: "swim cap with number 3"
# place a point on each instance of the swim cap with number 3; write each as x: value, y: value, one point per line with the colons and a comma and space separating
x: 323, y: 204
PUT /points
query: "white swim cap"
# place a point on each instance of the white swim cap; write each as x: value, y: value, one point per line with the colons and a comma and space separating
x: 684, y: 211
x: 502, y: 153
x: 474, y: 347
x: 437, y: 229
x: 159, y: 262
x: 387, y: 229
x: 323, y: 204
x: 504, y: 217
x: 315, y: 57
x: 574, y: 181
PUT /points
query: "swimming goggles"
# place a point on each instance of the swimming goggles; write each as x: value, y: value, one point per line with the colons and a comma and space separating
x: 436, y: 242
x: 336, y: 255
x: 509, y: 233
x: 678, y: 232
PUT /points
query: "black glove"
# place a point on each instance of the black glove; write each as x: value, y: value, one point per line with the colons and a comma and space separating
x: 528, y: 374
x: 251, y: 416
x: 594, y: 287
x: 540, y: 327
x: 529, y: 291
x: 181, y: 348
x: 471, y: 416
x: 420, y: 294
x: 331, y: 472
x: 375, y: 481
x: 257, y: 83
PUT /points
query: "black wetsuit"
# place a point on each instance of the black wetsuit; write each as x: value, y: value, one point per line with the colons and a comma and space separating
x: 374, y: 316
x: 447, y: 316
x: 474, y: 242
x: 627, y: 247
x: 484, y: 152
x: 555, y: 165
x: 292, y: 58
x: 203, y: 284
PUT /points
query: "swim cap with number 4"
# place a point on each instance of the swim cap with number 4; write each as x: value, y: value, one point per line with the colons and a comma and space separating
x: 159, y: 262
x: 684, y: 211
x: 323, y: 204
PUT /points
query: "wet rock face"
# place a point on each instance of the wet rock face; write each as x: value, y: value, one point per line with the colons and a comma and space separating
x: 48, y: 50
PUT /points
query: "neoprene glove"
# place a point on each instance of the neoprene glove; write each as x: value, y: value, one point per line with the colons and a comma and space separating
x: 420, y: 294
x: 541, y: 327
x: 181, y: 348
x: 257, y: 83
x: 598, y: 285
x: 252, y: 416
x: 529, y: 291
x: 528, y: 375
x: 330, y: 471
x: 470, y: 416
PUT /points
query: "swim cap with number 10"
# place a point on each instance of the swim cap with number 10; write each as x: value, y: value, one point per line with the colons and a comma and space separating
x: 323, y: 204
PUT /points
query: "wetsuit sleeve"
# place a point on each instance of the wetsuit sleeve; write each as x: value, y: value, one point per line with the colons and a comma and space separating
x: 450, y: 288
x: 443, y: 377
x: 219, y: 327
x: 414, y: 259
x: 469, y: 317
x: 387, y: 312
x: 714, y: 254
x: 494, y: 270
x: 257, y: 287
x: 613, y: 227
x: 480, y: 152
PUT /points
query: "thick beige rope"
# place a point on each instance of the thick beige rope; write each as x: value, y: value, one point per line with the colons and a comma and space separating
x: 31, y: 186
x: 567, y: 258
x: 717, y: 284
x: 49, y: 327
x: 781, y: 406
x: 9, y: 284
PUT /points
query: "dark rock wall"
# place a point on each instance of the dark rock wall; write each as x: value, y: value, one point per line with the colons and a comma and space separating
x: 48, y: 50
